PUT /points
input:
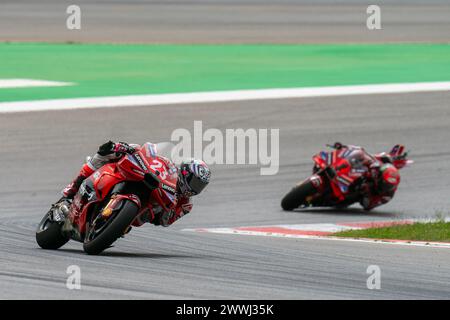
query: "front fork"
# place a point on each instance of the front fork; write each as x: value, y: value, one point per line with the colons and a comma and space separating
x: 327, y: 173
x: 62, y: 209
x: 317, y: 182
x: 59, y: 211
x: 321, y: 180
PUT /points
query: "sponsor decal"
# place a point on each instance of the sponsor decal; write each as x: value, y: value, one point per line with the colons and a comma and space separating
x: 170, y: 195
x: 138, y: 172
x: 346, y: 153
x: 134, y: 198
x: 343, y: 188
x: 362, y: 170
x: 167, y: 188
x: 141, y: 162
x: 150, y: 149
x: 343, y: 181
x: 172, y: 170
x: 87, y: 192
x: 392, y: 180
x: 187, y: 207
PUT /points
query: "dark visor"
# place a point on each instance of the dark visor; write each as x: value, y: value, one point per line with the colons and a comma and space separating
x: 196, y: 184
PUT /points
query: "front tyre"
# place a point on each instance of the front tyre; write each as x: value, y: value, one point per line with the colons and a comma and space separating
x: 49, y: 234
x: 102, y: 234
x: 298, y: 196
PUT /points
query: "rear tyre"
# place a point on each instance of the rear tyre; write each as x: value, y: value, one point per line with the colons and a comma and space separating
x: 49, y: 234
x: 99, y: 238
x: 297, y: 196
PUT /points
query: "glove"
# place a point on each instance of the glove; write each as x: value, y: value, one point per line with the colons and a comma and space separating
x: 106, y: 148
x: 123, y: 147
x: 111, y: 147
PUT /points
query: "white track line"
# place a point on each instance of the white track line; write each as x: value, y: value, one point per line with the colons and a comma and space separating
x: 219, y: 96
x: 26, y: 83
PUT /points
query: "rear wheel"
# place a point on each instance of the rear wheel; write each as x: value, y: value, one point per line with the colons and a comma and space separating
x: 49, y: 234
x: 298, y: 196
x: 103, y: 232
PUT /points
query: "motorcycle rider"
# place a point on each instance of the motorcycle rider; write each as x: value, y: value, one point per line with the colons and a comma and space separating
x: 193, y: 177
x: 381, y: 178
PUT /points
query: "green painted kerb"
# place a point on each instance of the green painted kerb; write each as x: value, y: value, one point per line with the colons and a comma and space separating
x: 106, y: 70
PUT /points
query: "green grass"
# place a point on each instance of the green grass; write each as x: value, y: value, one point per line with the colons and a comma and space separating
x: 431, y: 231
x: 113, y: 69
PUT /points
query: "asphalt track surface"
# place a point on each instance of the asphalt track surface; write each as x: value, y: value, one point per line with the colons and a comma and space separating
x: 41, y: 151
x: 225, y: 21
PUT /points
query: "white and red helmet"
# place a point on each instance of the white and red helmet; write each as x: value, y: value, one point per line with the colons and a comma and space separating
x: 194, y: 176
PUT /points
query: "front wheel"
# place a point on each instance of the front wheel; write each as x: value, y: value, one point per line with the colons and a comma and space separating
x: 49, y: 234
x: 298, y: 196
x: 102, y: 233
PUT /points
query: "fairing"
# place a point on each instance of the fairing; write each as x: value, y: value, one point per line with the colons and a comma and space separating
x: 130, y: 168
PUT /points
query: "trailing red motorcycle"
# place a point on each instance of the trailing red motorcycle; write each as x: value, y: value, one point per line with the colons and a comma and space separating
x: 130, y: 192
x: 343, y: 177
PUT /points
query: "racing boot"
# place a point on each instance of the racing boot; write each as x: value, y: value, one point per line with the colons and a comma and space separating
x: 70, y: 191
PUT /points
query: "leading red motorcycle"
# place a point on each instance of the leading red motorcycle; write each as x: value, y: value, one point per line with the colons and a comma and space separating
x: 340, y: 177
x: 114, y: 198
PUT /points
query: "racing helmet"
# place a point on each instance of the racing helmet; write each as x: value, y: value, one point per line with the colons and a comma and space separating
x: 389, y: 178
x: 194, y: 177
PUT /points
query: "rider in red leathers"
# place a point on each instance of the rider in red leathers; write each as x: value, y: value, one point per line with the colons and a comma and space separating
x: 194, y: 176
x: 380, y: 179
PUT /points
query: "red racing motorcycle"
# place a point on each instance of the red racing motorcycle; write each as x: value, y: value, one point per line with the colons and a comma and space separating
x: 338, y: 177
x: 130, y: 192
